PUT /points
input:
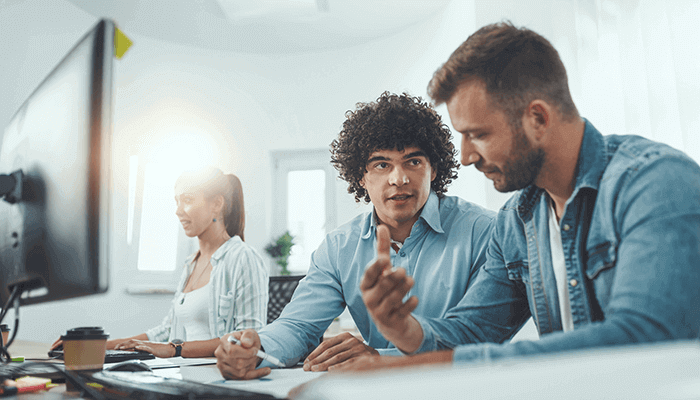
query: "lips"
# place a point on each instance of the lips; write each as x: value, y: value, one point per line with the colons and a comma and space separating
x: 400, y: 197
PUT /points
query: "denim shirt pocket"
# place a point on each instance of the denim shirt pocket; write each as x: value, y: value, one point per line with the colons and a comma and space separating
x: 224, y: 312
x: 519, y: 272
x: 600, y: 270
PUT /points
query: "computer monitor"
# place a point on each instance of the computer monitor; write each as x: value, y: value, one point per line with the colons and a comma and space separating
x: 55, y: 166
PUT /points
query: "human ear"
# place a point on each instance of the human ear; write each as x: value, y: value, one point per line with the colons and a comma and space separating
x: 537, y: 117
x: 218, y: 204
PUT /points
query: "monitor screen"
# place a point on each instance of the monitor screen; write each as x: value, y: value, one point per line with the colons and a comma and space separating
x: 55, y: 220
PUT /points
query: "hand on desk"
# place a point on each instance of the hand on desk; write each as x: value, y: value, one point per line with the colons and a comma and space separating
x: 239, y: 361
x: 336, y: 350
x: 158, y: 349
x: 367, y: 363
x: 111, y: 344
x: 383, y: 289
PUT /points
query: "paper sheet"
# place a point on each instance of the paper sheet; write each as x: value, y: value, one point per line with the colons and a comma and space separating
x: 278, y: 383
x: 172, y: 362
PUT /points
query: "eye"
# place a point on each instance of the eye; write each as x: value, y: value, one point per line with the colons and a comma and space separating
x: 477, y: 135
x: 415, y: 161
x: 381, y: 165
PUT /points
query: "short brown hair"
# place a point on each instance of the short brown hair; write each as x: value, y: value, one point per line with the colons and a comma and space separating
x: 516, y: 65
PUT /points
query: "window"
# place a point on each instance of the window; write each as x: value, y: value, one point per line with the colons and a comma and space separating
x: 304, y: 192
x: 157, y: 243
x: 158, y: 226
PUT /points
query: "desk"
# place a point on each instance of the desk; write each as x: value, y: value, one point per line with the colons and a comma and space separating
x: 642, y: 372
x: 654, y: 371
x: 277, y: 384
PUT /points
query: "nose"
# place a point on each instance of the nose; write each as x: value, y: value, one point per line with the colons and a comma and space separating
x: 178, y: 210
x: 469, y: 155
x: 398, y: 177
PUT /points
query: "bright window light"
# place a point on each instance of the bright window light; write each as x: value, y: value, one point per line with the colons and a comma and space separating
x: 158, y: 237
x: 306, y: 210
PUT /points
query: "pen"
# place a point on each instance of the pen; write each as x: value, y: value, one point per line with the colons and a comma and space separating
x: 260, y: 353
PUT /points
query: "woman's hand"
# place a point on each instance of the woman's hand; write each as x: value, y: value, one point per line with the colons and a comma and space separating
x: 57, y: 343
x: 158, y: 349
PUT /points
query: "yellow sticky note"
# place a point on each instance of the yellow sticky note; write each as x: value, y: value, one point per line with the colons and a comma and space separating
x: 121, y: 43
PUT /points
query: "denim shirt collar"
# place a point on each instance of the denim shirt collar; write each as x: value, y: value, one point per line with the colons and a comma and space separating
x: 430, y: 214
x: 592, y: 161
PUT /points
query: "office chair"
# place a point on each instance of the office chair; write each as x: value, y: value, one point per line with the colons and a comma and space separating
x: 281, y: 291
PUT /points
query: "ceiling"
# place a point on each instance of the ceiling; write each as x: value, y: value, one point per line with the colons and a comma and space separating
x: 265, y: 26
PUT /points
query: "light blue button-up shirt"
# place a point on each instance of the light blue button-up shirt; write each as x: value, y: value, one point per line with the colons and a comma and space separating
x: 631, y: 240
x: 444, y: 251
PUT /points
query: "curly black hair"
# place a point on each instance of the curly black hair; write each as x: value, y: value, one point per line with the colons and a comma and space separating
x: 393, y: 122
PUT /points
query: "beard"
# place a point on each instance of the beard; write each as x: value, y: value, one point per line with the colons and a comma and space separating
x: 523, y: 165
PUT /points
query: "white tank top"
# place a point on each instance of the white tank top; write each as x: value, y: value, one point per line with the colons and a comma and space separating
x: 191, y: 320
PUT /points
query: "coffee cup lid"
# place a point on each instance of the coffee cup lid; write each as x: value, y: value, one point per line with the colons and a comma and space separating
x: 4, y: 328
x: 85, y: 333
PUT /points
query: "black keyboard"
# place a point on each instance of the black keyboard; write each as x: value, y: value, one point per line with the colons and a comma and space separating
x: 146, y: 385
x: 113, y: 356
x: 16, y: 370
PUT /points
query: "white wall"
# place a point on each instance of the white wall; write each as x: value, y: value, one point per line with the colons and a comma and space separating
x: 247, y: 103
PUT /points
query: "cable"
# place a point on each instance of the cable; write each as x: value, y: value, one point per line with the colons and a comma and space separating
x: 14, y: 297
x: 16, y: 328
x: 9, y: 301
x: 75, y: 378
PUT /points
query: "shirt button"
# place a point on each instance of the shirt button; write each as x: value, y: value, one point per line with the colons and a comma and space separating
x: 566, y: 227
x: 573, y: 282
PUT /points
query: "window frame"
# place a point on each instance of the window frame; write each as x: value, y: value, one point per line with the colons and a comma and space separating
x: 285, y: 161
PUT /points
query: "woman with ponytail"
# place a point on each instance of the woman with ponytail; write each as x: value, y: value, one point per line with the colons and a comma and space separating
x: 224, y: 284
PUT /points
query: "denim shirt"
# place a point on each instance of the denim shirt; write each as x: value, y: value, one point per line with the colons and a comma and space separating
x: 631, y: 241
x: 444, y: 251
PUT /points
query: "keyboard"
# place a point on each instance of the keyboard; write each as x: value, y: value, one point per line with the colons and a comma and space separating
x: 113, y: 356
x: 146, y: 385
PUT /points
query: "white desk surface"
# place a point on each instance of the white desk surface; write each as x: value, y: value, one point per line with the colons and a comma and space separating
x: 640, y: 372
x: 661, y: 371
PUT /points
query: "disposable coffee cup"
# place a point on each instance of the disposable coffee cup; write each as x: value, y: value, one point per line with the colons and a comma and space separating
x: 84, y: 348
x: 5, y: 334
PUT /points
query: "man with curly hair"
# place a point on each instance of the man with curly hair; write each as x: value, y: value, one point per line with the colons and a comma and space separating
x: 599, y: 245
x: 397, y: 154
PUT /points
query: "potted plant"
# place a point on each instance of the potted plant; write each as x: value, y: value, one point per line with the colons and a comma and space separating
x: 280, y: 249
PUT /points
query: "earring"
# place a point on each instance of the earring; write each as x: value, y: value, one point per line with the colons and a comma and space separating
x: 214, y: 220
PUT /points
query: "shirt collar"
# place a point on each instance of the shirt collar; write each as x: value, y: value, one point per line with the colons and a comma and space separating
x: 430, y: 214
x: 219, y: 253
x: 592, y: 161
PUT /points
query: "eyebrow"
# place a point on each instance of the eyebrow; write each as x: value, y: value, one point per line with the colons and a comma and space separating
x: 419, y: 153
x: 471, y: 130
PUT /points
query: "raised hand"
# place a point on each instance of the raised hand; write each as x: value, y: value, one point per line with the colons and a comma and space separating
x: 383, y: 289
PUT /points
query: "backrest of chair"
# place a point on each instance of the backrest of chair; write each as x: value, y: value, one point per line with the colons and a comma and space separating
x: 281, y: 291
